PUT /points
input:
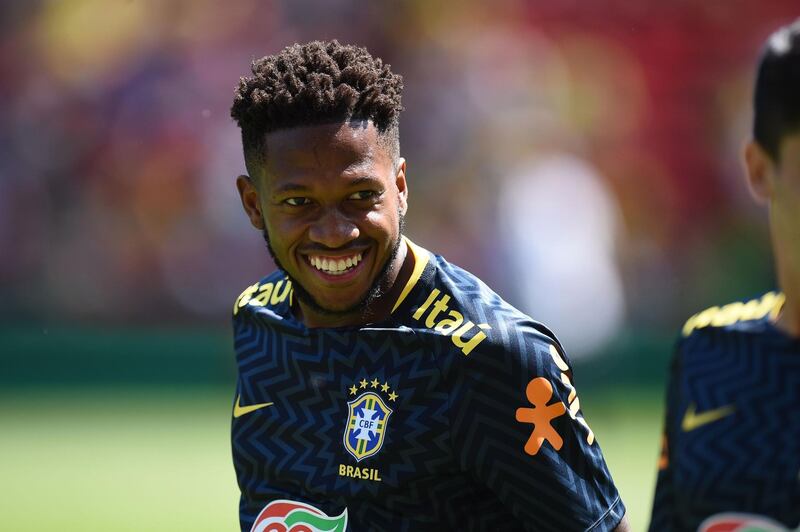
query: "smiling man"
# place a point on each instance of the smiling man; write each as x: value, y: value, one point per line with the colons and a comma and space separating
x: 380, y: 387
x: 330, y: 199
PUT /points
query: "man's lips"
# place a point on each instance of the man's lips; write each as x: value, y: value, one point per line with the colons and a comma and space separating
x: 336, y: 267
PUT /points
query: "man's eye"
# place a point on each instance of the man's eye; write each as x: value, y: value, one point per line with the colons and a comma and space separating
x: 363, y: 195
x: 297, y: 202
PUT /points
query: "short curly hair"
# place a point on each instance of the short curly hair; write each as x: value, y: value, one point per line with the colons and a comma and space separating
x: 316, y: 83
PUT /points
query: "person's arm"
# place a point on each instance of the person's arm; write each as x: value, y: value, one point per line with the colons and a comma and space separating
x: 518, y: 428
x: 623, y: 525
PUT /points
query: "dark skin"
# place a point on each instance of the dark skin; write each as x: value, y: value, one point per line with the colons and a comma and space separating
x: 330, y: 193
x: 623, y: 525
x: 331, y: 197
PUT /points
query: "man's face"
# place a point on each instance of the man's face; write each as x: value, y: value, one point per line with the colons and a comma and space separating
x: 785, y: 200
x: 331, y: 203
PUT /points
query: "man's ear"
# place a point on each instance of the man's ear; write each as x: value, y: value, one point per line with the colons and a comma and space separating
x: 760, y: 171
x: 402, y: 185
x: 250, y: 201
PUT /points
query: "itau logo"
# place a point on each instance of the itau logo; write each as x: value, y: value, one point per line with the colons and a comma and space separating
x: 292, y: 516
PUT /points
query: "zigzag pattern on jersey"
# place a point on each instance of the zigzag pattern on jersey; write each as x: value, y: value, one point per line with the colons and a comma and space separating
x: 321, y: 451
x: 451, y: 504
x: 436, y: 443
x: 749, y: 460
x: 308, y: 440
x: 492, y: 380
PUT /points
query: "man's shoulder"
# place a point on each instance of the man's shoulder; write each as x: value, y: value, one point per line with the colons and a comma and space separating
x: 454, y: 303
x: 272, y: 291
x: 749, y: 315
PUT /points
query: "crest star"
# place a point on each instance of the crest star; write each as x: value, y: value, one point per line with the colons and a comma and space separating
x: 385, y: 387
x: 367, y: 418
x: 375, y: 383
x: 363, y: 383
x: 353, y: 389
x: 392, y: 396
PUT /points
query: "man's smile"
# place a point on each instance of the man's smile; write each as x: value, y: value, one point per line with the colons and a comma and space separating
x: 336, y: 268
x: 334, y: 265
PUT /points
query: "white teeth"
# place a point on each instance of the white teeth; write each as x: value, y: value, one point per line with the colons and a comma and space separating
x: 335, y: 266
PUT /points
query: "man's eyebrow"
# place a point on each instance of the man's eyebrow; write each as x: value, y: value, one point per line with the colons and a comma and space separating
x: 297, y: 188
x: 363, y: 180
x: 290, y: 187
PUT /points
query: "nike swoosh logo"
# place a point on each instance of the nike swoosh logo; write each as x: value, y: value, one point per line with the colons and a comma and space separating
x: 239, y: 410
x: 692, y: 420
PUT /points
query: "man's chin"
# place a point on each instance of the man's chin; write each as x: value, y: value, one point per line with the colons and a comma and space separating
x: 330, y: 308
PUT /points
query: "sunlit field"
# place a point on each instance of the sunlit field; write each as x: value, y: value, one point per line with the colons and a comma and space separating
x: 628, y: 427
x: 155, y: 460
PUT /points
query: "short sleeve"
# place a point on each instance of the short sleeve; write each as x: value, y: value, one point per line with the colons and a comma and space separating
x: 517, y: 426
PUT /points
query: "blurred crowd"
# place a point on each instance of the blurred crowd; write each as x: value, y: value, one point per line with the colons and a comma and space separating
x: 581, y: 157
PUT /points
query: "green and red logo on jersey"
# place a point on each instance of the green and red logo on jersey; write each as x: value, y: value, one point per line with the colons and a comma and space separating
x: 737, y: 522
x: 294, y: 516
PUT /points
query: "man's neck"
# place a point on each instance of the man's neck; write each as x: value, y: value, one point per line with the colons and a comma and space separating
x: 789, y: 279
x: 789, y: 319
x: 382, y: 307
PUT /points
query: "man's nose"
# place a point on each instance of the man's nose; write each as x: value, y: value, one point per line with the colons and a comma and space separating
x: 333, y: 229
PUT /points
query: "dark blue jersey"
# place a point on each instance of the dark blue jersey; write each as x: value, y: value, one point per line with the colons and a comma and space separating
x: 731, y: 456
x: 457, y: 412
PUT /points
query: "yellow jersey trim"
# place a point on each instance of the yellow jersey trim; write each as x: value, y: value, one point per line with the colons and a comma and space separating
x: 421, y: 258
x: 770, y: 304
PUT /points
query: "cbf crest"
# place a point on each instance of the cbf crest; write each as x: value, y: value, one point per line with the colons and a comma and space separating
x: 368, y: 417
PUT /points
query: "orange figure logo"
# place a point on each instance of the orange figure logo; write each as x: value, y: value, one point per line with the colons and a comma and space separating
x: 539, y: 392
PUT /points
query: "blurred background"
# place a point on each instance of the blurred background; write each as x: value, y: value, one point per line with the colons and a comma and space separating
x: 580, y: 157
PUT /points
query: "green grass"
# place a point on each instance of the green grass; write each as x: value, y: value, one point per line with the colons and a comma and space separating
x: 150, y: 460
x: 628, y: 427
x: 116, y: 462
